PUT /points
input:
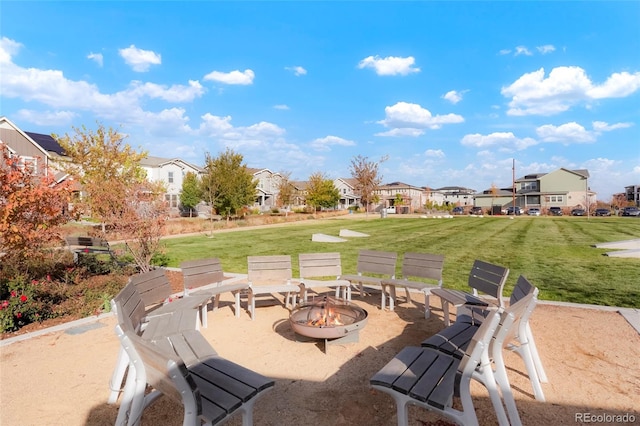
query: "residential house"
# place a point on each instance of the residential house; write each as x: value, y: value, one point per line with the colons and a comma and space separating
x: 267, y: 188
x: 37, y: 151
x: 346, y: 188
x: 171, y: 172
x: 453, y: 196
x: 562, y: 188
x: 632, y: 193
x: 404, y: 197
x: 300, y: 193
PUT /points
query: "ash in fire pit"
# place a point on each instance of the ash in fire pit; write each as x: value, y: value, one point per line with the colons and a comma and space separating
x: 333, y: 320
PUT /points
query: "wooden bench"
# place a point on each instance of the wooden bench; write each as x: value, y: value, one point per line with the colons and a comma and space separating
x: 327, y: 267
x: 206, y: 277
x: 221, y: 389
x: 430, y: 379
x: 211, y: 389
x: 88, y: 245
x: 522, y: 343
x: 268, y: 275
x: 372, y: 267
x: 158, y: 296
x: 425, y: 266
x: 485, y: 278
x: 132, y: 316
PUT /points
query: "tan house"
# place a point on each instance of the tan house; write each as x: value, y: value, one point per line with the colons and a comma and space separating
x: 400, y: 197
x: 171, y: 172
x: 346, y: 188
x: 267, y: 186
x: 37, y: 151
x: 562, y: 188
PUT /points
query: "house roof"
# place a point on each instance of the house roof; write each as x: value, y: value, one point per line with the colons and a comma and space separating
x: 151, y: 161
x: 349, y: 181
x: 454, y: 189
x: 47, y: 142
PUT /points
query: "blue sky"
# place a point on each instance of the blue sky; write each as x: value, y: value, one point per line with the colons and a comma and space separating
x: 450, y: 92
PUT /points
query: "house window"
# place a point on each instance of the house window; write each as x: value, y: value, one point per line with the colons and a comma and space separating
x: 559, y: 198
x: 530, y: 186
x: 171, y: 199
x: 170, y: 177
x: 28, y: 164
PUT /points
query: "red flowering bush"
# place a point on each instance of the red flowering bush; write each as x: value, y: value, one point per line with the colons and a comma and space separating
x: 22, y: 304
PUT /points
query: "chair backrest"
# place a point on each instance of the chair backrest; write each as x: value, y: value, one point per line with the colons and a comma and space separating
x: 320, y: 265
x: 162, y: 370
x: 479, y: 346
x: 129, y: 308
x: 377, y: 262
x: 489, y: 279
x: 87, y: 242
x: 203, y: 272
x: 265, y: 270
x: 423, y: 265
x: 514, y: 320
x: 153, y: 286
x: 522, y: 288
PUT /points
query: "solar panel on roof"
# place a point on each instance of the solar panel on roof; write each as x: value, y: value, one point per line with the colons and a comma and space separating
x: 46, y: 142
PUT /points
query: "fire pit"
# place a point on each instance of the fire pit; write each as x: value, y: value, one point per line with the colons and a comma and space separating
x: 329, y: 319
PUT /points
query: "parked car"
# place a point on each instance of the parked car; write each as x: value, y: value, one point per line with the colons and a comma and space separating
x: 630, y: 211
x: 458, y: 210
x: 514, y: 210
x: 188, y: 212
x: 555, y: 211
x: 533, y: 211
x: 476, y: 210
x: 602, y: 212
x: 578, y: 212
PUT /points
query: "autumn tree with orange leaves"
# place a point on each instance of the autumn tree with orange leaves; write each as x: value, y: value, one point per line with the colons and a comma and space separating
x: 32, y: 207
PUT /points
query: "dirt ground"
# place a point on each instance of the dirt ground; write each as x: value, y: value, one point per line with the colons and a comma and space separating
x: 591, y: 357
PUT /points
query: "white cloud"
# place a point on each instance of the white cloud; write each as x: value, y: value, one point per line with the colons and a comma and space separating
x: 234, y: 77
x: 391, y: 65
x: 324, y: 144
x: 97, y: 58
x: 504, y: 51
x: 565, y: 133
x: 52, y: 89
x: 47, y: 118
x: 601, y: 126
x: 297, y: 70
x: 522, y: 50
x: 434, y: 153
x: 402, y: 132
x: 533, y: 94
x: 404, y: 115
x: 174, y: 93
x: 281, y: 106
x: 501, y: 139
x: 138, y: 59
x: 618, y: 85
x: 547, y: 48
x: 221, y: 128
x: 453, y: 96
x: 8, y: 49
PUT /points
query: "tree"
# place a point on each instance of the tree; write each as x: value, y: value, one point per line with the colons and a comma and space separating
x: 191, y: 193
x: 321, y: 192
x: 32, y: 206
x: 105, y: 166
x: 367, y: 176
x: 117, y: 190
x: 228, y: 185
x: 142, y: 222
x: 286, y: 190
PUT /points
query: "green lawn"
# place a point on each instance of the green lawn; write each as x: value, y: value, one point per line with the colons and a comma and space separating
x: 555, y: 253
